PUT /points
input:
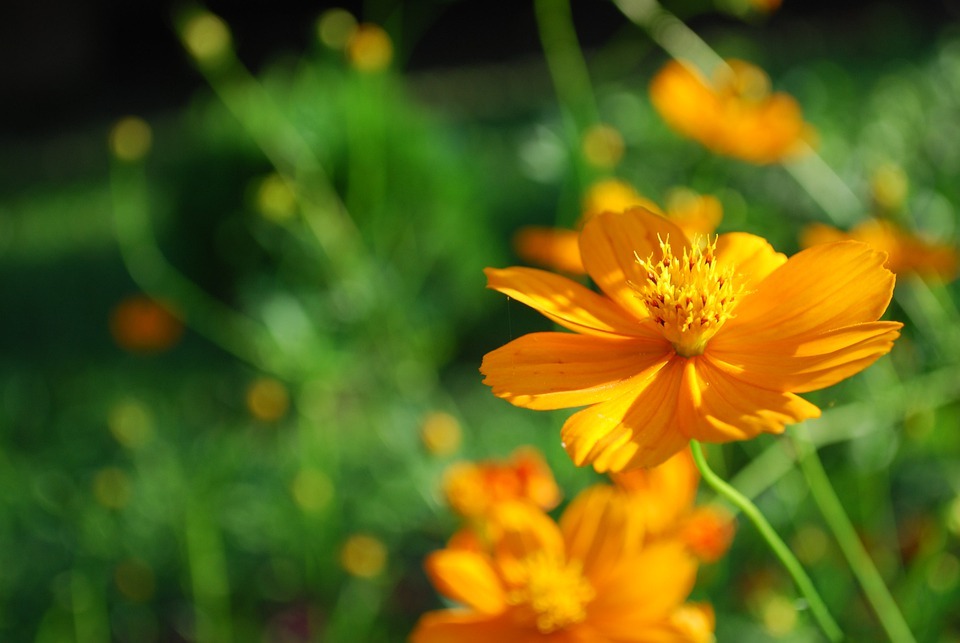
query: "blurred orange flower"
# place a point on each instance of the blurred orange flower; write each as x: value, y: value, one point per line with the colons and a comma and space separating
x: 905, y: 252
x: 142, y: 325
x: 735, y: 115
x: 666, y: 496
x: 473, y: 489
x: 590, y: 578
x: 559, y: 249
x: 708, y: 342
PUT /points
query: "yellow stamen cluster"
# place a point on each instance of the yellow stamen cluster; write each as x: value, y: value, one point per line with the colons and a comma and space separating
x: 555, y: 591
x: 690, y: 296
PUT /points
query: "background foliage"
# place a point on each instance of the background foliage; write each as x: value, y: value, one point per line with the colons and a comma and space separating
x: 143, y: 497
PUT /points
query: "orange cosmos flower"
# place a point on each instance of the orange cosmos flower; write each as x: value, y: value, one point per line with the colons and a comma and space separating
x: 905, y: 252
x: 559, y: 249
x: 590, y: 578
x: 735, y: 115
x: 473, y: 488
x: 687, y: 341
x: 666, y: 496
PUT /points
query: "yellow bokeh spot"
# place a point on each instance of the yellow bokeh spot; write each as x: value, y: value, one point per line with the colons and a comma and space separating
x: 135, y: 580
x: 779, y: 615
x: 207, y: 38
x: 363, y: 556
x: 312, y: 490
x: 602, y: 146
x: 276, y: 199
x: 267, y: 399
x: 130, y: 424
x: 441, y: 433
x: 335, y: 28
x: 369, y: 48
x: 130, y: 139
x: 811, y: 544
x: 111, y: 488
x: 888, y: 184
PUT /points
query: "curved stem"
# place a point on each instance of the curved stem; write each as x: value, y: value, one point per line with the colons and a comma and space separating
x: 148, y: 267
x: 780, y: 549
x: 811, y: 172
x: 853, y: 550
x: 568, y: 69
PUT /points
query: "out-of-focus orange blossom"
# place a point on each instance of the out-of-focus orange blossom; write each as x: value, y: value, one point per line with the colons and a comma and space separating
x: 472, y: 489
x: 559, y: 249
x: 666, y: 495
x: 140, y: 324
x: 906, y: 252
x: 734, y: 114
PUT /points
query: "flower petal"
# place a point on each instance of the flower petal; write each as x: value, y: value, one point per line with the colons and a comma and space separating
x: 802, y: 365
x: 601, y: 526
x: 562, y: 370
x: 457, y: 626
x: 610, y: 244
x: 520, y: 530
x: 467, y: 577
x: 666, y: 491
x: 644, y: 589
x: 636, y: 429
x: 553, y: 248
x: 566, y: 302
x: 753, y: 257
x: 716, y: 407
x: 817, y: 290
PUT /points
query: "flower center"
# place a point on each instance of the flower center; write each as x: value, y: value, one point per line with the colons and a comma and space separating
x: 556, y: 592
x: 690, y: 297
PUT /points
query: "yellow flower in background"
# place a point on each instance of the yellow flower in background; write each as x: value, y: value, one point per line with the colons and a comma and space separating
x: 905, y: 252
x: 666, y: 495
x: 473, y: 489
x: 559, y: 249
x: 688, y: 341
x: 589, y: 578
x: 735, y: 115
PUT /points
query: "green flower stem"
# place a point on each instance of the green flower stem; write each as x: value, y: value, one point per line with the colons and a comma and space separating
x: 853, y: 550
x: 148, y: 267
x: 571, y: 82
x: 790, y: 562
x: 568, y: 69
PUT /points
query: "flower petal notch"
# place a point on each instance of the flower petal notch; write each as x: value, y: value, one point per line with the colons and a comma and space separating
x: 707, y: 339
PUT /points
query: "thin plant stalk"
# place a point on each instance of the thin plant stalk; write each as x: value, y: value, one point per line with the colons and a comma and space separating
x: 853, y: 550
x: 817, y: 607
x: 808, y: 168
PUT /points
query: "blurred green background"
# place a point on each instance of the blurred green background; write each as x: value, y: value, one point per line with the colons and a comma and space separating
x: 321, y: 230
